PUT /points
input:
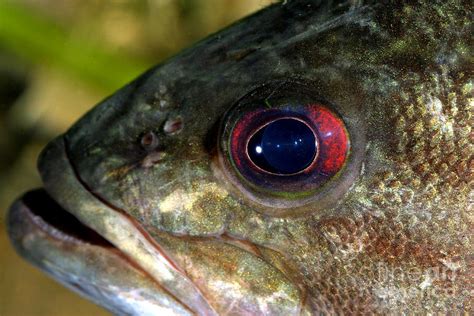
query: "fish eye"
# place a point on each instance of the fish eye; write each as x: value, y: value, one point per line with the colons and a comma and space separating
x: 284, y: 145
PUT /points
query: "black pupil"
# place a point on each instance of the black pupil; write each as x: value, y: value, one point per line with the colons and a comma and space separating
x: 284, y: 146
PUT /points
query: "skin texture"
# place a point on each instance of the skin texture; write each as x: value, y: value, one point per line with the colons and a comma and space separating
x: 148, y: 170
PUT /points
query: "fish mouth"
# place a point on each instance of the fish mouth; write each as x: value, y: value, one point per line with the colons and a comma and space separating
x: 103, y: 253
x: 44, y: 212
x: 53, y: 239
x: 65, y: 219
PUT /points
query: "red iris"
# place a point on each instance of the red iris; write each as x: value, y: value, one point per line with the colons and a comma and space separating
x: 331, y: 148
x: 332, y: 138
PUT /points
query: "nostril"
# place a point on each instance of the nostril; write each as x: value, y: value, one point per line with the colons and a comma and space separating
x: 149, y: 141
x: 173, y: 125
x: 155, y: 151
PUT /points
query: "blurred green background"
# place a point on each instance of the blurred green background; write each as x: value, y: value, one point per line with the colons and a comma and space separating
x: 57, y: 59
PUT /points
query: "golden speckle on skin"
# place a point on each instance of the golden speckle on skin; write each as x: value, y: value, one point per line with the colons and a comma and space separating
x: 182, y: 200
x: 118, y: 173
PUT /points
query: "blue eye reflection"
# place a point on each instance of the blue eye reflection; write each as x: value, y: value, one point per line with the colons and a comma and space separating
x: 285, y: 146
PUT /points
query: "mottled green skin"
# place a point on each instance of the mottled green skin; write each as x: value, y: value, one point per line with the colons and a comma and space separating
x: 391, y: 233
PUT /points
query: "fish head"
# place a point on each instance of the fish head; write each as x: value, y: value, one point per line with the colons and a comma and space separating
x: 184, y: 219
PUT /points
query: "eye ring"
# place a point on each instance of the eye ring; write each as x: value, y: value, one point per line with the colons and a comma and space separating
x: 300, y: 193
x: 306, y: 169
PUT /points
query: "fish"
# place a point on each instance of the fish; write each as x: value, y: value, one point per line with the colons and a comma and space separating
x: 315, y: 157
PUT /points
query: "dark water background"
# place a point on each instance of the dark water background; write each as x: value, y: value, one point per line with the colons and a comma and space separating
x: 57, y: 59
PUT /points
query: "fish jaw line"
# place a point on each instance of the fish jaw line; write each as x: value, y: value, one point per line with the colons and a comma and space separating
x: 126, y: 234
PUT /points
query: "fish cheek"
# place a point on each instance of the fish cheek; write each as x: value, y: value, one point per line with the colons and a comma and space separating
x: 201, y: 211
x: 180, y: 194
